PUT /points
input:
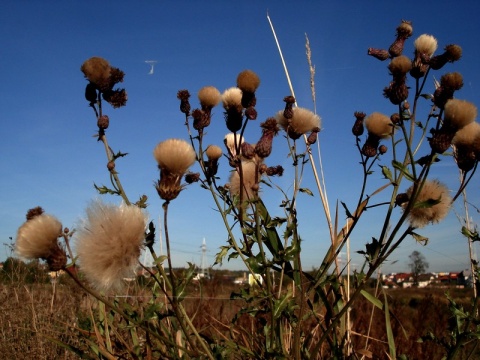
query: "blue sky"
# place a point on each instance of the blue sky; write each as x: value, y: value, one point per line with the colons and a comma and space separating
x: 49, y: 157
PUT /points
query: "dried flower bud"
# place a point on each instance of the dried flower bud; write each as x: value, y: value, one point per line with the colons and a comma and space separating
x: 396, y: 92
x: 379, y: 54
x: 289, y: 102
x: 441, y: 140
x: 395, y: 118
x: 247, y: 150
x: 401, y: 199
x: 36, y: 211
x: 264, y: 146
x: 404, y: 31
x: 103, y: 122
x: 358, y: 127
x: 111, y: 166
x: 201, y: 119
x: 190, y: 177
x: 91, y: 92
x: 369, y: 149
x: 382, y: 149
x: 116, y: 98
x: 312, y: 138
x: 183, y: 96
x: 274, y: 170
x: 251, y: 113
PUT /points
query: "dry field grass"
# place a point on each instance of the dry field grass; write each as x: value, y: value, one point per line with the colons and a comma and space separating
x: 31, y: 315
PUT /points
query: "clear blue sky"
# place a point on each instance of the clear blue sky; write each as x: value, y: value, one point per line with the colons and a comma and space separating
x: 49, y: 157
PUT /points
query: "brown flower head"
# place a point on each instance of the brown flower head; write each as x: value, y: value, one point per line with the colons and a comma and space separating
x: 431, y: 204
x: 209, y: 97
x: 248, y: 81
x: 400, y: 65
x: 452, y: 53
x: 459, y: 113
x: 97, y: 70
x: 116, y: 98
x: 37, y: 238
x: 174, y: 157
x: 466, y: 146
x: 379, y: 125
x: 303, y: 121
x: 449, y: 83
x: 109, y: 243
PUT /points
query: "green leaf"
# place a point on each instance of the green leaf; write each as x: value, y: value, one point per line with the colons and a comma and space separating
x: 427, y: 96
x: 280, y: 304
x: 419, y: 238
x: 387, y: 173
x: 221, y: 254
x: 306, y: 191
x: 104, y: 190
x: 403, y: 169
x: 388, y: 325
x: 373, y: 300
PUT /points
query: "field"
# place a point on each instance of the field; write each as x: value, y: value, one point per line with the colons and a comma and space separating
x: 33, y: 317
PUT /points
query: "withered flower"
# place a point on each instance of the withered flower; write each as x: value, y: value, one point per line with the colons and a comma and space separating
x: 97, y: 71
x: 425, y: 46
x: 449, y: 83
x: 431, y: 204
x: 459, y: 113
x: 37, y: 238
x: 116, y: 98
x: 379, y: 126
x: 452, y: 53
x: 213, y: 153
x: 209, y: 97
x: 404, y: 31
x: 302, y: 121
x: 174, y: 157
x: 397, y: 91
x: 109, y: 243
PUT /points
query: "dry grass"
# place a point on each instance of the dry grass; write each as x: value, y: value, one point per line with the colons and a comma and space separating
x: 29, y: 317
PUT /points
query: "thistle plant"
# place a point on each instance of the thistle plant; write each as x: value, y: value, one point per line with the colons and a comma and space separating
x: 289, y: 312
